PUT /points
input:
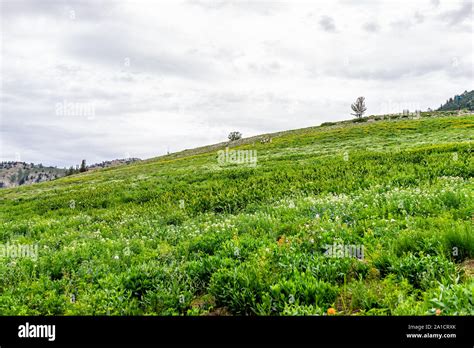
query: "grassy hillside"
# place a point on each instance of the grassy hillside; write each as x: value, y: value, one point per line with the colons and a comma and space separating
x: 184, y: 234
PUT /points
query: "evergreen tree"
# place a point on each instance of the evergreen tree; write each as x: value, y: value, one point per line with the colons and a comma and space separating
x: 83, y: 166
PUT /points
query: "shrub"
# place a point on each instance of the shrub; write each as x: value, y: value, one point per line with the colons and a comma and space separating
x: 452, y: 299
x: 327, y: 124
x: 459, y: 242
x: 303, y: 289
x: 423, y: 270
x: 234, y: 136
x: 240, y: 289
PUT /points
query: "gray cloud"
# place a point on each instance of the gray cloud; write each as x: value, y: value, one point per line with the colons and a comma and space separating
x: 117, y: 50
x: 371, y: 27
x: 247, y: 6
x: 84, y: 10
x: 458, y: 16
x: 327, y: 24
x: 419, y: 18
x: 415, y: 68
x: 51, y: 143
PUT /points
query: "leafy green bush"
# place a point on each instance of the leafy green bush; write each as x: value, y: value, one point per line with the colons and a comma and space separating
x: 422, y: 270
x: 305, y: 289
x: 452, y: 299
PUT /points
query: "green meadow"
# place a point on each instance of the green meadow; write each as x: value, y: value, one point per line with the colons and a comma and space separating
x: 186, y: 234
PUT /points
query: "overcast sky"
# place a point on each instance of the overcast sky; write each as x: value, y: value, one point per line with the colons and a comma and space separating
x: 114, y: 79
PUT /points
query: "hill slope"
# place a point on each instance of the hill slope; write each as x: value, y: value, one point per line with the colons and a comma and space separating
x: 199, y: 233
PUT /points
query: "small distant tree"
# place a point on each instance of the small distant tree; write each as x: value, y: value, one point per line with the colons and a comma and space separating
x: 83, y: 166
x: 359, y: 107
x: 234, y: 136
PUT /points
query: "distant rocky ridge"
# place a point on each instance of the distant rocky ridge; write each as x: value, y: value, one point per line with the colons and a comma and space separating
x: 15, y: 173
